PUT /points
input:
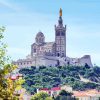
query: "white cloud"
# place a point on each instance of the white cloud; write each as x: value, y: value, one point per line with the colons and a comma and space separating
x: 9, y: 5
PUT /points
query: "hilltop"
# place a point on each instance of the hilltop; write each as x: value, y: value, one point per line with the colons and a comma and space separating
x: 79, y: 77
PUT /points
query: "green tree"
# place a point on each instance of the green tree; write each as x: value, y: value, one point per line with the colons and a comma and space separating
x: 64, y: 95
x: 41, y: 96
x: 7, y: 86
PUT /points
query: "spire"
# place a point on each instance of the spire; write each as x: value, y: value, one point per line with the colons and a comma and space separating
x: 60, y: 21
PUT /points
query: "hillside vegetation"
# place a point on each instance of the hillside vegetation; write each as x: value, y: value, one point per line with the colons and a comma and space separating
x: 48, y: 77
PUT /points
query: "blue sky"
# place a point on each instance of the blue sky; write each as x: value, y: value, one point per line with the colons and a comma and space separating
x: 24, y: 18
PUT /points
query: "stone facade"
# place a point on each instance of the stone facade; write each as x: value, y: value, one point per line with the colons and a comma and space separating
x: 60, y: 38
x: 51, y: 53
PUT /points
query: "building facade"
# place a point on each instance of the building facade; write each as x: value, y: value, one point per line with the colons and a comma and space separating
x: 51, y: 53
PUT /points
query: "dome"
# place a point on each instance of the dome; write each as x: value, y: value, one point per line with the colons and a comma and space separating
x: 40, y: 34
x: 40, y: 38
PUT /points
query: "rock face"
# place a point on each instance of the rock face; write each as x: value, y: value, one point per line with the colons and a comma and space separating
x: 51, y: 53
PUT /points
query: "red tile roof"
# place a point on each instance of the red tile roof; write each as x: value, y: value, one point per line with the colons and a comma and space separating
x: 80, y: 94
x: 88, y: 93
x: 55, y: 88
x: 45, y: 89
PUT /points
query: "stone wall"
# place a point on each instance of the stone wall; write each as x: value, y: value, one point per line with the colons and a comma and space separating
x: 86, y: 59
x: 23, y: 63
x: 53, y: 61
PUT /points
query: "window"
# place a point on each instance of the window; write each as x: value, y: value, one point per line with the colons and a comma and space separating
x: 57, y: 48
x: 58, y: 42
x: 62, y: 41
x: 58, y: 54
x: 34, y: 49
x: 62, y: 54
x: 40, y: 40
x: 58, y: 33
x: 62, y: 33
x: 62, y: 49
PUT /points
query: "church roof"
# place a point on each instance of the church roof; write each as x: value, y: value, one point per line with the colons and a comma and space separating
x: 40, y: 34
x: 49, y: 43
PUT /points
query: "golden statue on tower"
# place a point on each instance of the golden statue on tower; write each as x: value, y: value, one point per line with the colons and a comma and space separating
x: 60, y: 12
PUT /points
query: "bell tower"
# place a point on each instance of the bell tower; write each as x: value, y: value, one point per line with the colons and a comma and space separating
x: 60, y: 37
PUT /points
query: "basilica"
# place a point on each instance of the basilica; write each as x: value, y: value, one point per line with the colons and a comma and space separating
x: 57, y: 48
x: 51, y: 53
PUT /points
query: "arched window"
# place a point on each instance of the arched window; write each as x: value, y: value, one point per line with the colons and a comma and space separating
x: 58, y: 33
x: 68, y: 63
x: 58, y: 54
x: 62, y: 33
x: 62, y: 41
x: 34, y: 49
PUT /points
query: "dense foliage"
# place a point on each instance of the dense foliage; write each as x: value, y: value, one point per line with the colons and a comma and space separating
x: 7, y: 85
x: 48, y: 77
